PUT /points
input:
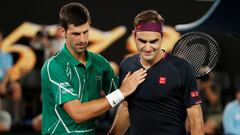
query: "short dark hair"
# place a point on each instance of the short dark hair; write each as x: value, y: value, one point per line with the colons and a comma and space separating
x: 73, y: 13
x: 148, y: 16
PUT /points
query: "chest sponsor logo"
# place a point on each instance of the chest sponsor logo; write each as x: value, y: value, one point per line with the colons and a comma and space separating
x: 162, y: 80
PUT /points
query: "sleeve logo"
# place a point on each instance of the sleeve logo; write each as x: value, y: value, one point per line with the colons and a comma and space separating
x: 194, y: 94
x: 65, y: 88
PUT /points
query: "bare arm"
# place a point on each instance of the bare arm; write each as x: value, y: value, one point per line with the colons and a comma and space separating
x: 195, y: 120
x: 121, y: 121
x: 81, y: 112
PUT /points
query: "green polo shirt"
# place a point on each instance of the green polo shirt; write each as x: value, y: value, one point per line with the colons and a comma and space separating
x: 64, y: 78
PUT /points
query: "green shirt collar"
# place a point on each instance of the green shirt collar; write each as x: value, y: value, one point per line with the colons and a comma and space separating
x: 73, y: 60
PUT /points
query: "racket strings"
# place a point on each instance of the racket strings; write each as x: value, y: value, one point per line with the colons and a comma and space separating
x: 200, y: 50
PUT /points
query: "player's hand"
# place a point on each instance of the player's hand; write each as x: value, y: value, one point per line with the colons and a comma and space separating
x: 131, y: 81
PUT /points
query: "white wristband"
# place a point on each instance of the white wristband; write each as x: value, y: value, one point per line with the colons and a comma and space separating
x: 115, y: 97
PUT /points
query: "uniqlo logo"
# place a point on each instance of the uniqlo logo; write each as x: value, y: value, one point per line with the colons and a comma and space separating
x: 162, y: 80
x: 194, y: 94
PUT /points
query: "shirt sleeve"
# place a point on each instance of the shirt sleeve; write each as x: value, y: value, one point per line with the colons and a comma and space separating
x: 59, y: 84
x: 110, y: 80
x: 191, y: 92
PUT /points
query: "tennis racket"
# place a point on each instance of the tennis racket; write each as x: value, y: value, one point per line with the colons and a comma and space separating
x: 200, y: 49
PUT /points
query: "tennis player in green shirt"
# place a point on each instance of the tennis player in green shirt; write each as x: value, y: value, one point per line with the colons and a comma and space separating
x: 71, y: 80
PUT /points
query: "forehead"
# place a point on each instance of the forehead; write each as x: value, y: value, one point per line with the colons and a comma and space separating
x: 80, y: 28
x: 148, y: 35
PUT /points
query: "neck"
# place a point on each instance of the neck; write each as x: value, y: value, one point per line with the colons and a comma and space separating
x: 149, y: 63
x: 81, y: 57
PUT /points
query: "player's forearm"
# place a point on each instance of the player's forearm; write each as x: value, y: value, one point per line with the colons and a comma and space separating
x: 119, y: 130
x: 197, y: 127
x: 85, y: 111
x: 121, y: 121
x: 195, y: 119
x: 81, y: 112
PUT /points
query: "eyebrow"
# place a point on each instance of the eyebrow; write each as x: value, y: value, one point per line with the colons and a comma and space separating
x: 78, y: 33
x: 84, y: 32
x: 145, y: 41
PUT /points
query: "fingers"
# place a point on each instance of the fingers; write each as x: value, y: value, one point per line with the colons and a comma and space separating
x: 131, y: 81
x: 139, y: 71
x: 141, y: 79
x: 135, y: 75
x: 138, y: 75
x: 127, y: 76
x: 136, y: 78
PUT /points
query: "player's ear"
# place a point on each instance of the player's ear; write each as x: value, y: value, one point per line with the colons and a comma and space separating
x: 62, y: 31
x: 134, y: 34
x: 163, y: 34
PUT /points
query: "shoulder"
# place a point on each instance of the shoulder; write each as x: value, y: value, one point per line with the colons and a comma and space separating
x: 95, y: 57
x: 130, y: 60
x: 232, y: 105
x: 181, y: 65
x: 130, y: 64
x: 177, y: 60
x: 54, y: 63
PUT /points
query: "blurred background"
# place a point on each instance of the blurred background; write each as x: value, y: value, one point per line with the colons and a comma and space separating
x: 29, y: 36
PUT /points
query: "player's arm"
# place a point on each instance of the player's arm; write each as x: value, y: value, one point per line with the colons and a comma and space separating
x: 121, y: 121
x: 195, y: 119
x: 81, y: 112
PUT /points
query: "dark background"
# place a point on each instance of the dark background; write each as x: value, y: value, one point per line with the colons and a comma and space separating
x: 105, y: 15
x: 108, y: 14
